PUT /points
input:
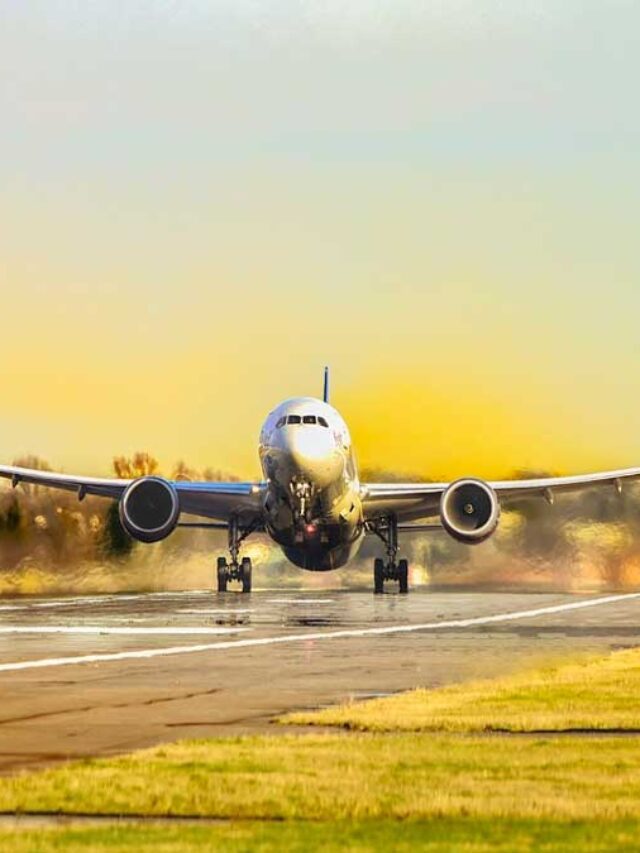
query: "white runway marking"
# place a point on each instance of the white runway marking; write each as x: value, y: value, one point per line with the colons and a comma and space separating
x: 328, y: 635
x: 107, y: 629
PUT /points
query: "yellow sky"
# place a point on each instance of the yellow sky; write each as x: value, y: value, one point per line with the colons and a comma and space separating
x: 202, y: 206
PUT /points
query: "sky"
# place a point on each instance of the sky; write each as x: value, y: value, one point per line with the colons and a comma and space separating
x: 202, y: 203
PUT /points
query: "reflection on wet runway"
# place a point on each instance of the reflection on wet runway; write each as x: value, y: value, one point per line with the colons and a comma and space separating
x: 159, y: 618
x: 160, y: 666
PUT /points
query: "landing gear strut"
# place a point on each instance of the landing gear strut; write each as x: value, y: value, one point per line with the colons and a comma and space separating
x: 235, y: 569
x: 391, y: 569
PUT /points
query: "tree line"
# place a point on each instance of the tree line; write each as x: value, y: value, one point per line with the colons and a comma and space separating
x: 45, y: 525
x: 592, y: 535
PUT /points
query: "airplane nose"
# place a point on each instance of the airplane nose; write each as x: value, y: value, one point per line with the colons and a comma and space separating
x: 314, y: 453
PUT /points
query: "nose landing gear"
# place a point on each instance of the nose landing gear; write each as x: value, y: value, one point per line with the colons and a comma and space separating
x: 235, y: 569
x: 392, y: 569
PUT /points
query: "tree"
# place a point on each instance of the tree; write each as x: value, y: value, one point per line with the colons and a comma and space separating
x: 182, y: 471
x: 139, y: 465
x: 10, y: 515
x: 215, y: 475
x: 116, y: 542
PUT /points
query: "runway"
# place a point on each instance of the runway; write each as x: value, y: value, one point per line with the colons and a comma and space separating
x: 97, y: 675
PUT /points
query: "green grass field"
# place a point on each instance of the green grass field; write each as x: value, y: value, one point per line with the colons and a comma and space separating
x: 442, y: 836
x: 426, y: 776
x: 595, y: 694
x: 348, y: 777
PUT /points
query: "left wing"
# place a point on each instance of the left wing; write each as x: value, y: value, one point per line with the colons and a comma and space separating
x: 412, y: 501
x: 217, y: 501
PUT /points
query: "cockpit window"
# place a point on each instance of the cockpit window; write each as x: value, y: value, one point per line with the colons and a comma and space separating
x: 294, y: 419
x: 281, y: 423
x: 322, y: 422
x: 309, y: 419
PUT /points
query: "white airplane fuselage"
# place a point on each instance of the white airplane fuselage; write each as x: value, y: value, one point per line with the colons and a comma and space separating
x: 312, y: 504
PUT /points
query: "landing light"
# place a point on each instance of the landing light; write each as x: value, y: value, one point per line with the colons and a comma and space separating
x: 310, y: 529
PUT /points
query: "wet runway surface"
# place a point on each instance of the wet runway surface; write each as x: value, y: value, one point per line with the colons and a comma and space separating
x: 99, y: 675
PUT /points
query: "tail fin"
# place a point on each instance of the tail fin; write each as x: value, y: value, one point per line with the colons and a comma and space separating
x: 325, y: 392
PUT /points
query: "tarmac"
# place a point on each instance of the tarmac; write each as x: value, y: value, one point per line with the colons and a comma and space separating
x: 102, y: 675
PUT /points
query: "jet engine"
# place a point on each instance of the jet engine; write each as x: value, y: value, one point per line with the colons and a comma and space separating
x: 469, y: 510
x: 149, y: 509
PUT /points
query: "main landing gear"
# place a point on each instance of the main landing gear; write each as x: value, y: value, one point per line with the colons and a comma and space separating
x: 390, y: 569
x: 235, y: 569
x: 234, y: 572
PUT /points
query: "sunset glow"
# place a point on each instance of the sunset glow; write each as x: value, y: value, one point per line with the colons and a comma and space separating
x: 203, y: 204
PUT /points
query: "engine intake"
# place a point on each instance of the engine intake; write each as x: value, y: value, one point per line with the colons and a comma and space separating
x: 149, y: 509
x: 469, y: 510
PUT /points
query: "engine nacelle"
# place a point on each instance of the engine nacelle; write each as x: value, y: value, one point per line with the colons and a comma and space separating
x: 149, y: 509
x: 469, y: 510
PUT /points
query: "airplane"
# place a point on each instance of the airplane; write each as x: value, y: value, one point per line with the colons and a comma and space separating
x: 311, y: 502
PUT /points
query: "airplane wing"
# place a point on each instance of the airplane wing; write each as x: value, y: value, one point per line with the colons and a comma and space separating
x: 206, y: 499
x: 412, y: 501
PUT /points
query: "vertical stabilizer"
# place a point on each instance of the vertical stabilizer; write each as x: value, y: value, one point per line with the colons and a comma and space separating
x: 325, y: 392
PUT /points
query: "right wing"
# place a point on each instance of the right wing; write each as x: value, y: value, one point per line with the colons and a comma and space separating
x: 106, y: 488
x: 219, y: 501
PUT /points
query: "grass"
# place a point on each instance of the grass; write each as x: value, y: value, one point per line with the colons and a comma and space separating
x: 471, y: 836
x: 392, y: 787
x: 348, y: 777
x: 598, y: 694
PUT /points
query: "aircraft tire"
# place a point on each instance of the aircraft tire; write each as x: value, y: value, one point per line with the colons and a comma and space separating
x: 222, y: 574
x: 246, y: 574
x: 378, y: 576
x: 403, y: 576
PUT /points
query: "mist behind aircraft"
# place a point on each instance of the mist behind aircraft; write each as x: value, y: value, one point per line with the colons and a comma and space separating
x: 50, y: 543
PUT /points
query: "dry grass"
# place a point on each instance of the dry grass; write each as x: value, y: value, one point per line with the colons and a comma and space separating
x: 378, y: 790
x: 355, y: 777
x: 597, y: 694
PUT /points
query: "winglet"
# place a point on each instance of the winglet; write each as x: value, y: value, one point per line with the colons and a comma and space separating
x: 325, y: 392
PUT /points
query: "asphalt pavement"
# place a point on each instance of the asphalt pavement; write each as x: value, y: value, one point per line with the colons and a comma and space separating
x: 101, y: 675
